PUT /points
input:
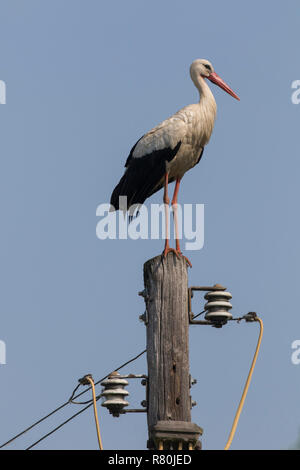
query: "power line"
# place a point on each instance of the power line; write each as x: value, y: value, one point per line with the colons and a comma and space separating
x: 67, y: 403
x: 198, y: 314
x: 91, y: 381
x: 246, y: 387
x: 34, y: 424
x: 58, y: 427
x: 71, y: 399
x: 88, y: 406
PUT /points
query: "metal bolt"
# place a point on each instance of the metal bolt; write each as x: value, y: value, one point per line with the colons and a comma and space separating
x: 144, y: 294
x: 144, y: 404
x: 144, y: 317
x: 192, y: 381
x: 250, y: 317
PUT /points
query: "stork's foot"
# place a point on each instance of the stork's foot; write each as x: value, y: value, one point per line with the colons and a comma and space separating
x: 186, y: 259
x: 177, y: 253
x: 171, y: 250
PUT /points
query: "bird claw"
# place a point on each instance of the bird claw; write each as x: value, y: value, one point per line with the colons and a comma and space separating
x: 177, y: 253
x: 187, y: 261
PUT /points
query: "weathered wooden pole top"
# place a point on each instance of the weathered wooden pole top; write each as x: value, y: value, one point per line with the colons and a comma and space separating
x: 167, y: 321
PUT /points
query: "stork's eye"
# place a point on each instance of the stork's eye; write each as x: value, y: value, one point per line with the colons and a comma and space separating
x: 208, y: 67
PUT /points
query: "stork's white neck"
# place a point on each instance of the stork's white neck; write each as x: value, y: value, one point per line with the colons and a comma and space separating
x: 207, y: 108
x: 204, y: 91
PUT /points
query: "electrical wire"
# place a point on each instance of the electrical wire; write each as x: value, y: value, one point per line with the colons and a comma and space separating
x: 95, y: 398
x: 58, y: 427
x: 198, y: 314
x: 246, y: 387
x: 71, y: 399
x: 95, y: 412
x: 63, y: 405
x: 88, y: 406
x: 34, y: 424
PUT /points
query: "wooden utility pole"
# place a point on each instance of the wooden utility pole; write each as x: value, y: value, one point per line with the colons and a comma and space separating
x: 166, y: 318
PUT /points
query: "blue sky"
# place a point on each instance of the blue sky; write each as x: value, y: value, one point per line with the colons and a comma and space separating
x: 84, y: 81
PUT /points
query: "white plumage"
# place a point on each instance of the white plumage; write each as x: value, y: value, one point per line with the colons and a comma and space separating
x: 170, y: 149
x: 175, y: 145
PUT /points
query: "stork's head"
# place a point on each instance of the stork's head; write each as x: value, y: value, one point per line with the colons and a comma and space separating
x: 203, y: 68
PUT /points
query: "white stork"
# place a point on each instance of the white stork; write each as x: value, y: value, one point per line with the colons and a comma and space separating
x: 170, y: 149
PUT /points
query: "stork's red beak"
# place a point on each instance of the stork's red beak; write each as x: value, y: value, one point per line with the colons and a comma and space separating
x: 214, y: 77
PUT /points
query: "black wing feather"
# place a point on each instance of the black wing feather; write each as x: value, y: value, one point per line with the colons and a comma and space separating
x: 142, y: 176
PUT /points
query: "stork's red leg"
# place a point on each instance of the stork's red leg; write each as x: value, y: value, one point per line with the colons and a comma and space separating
x: 174, y: 206
x: 166, y: 199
